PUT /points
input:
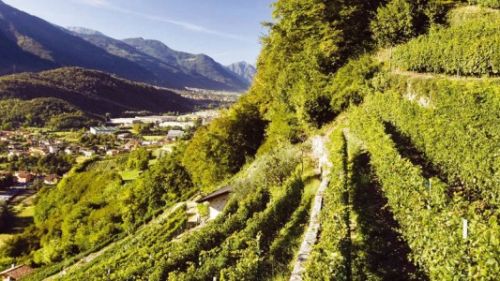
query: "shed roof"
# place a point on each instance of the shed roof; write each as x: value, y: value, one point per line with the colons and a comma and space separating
x: 218, y: 193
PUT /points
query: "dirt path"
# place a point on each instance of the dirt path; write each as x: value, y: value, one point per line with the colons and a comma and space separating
x: 320, y: 153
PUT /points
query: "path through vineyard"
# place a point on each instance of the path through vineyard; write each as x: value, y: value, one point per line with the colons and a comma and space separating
x: 320, y: 153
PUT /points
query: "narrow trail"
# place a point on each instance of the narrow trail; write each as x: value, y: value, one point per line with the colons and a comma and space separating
x: 89, y: 258
x: 320, y: 153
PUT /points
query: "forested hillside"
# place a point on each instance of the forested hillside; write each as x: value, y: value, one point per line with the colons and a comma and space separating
x: 74, y: 94
x: 407, y: 93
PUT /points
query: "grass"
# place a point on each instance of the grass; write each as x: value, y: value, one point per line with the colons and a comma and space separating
x: 80, y: 159
x: 73, y: 137
x: 4, y: 237
x: 23, y: 211
x: 130, y: 175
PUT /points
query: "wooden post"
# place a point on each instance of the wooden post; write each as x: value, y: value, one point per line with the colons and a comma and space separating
x: 465, y: 225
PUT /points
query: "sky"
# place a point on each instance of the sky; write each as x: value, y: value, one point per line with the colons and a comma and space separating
x: 227, y: 30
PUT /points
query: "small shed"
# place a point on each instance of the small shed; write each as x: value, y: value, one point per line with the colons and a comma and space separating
x: 216, y: 201
x: 16, y: 273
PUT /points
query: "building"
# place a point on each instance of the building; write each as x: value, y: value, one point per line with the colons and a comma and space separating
x: 103, y: 130
x: 88, y: 153
x: 53, y: 149
x: 216, y: 201
x: 180, y: 124
x: 16, y: 273
x: 24, y: 177
x: 112, y: 152
x: 38, y: 151
x: 51, y: 179
x: 174, y: 135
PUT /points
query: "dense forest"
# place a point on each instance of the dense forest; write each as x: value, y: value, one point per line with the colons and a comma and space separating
x: 407, y: 94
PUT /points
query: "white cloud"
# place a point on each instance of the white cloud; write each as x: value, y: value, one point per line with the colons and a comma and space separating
x: 95, y: 3
x: 186, y: 25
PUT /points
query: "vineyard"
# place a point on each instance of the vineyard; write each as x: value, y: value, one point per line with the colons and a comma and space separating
x: 412, y: 122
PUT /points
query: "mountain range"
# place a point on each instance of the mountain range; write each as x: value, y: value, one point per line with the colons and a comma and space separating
x: 32, y: 44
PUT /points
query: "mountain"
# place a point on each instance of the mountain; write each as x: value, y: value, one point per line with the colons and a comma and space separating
x: 167, y: 72
x: 244, y: 70
x: 199, y: 65
x: 92, y: 92
x: 32, y: 44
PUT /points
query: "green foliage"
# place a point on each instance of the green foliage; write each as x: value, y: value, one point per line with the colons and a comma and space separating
x: 328, y: 259
x: 352, y: 83
x: 241, y: 255
x: 452, y: 123
x: 78, y: 214
x: 309, y: 41
x: 41, y: 112
x: 92, y: 92
x: 139, y: 159
x: 394, y: 23
x: 92, y: 205
x: 435, y: 220
x: 166, y: 182
x: 468, y: 47
x: 221, y: 149
x: 49, y: 164
x: 486, y: 3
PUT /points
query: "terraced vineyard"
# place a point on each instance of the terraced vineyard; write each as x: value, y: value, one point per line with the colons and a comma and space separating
x: 407, y: 95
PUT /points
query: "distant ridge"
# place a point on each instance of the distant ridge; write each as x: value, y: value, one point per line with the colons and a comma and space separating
x: 92, y: 92
x: 31, y: 44
x: 244, y: 70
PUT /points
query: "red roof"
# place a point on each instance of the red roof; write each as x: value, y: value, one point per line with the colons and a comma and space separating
x: 17, y: 272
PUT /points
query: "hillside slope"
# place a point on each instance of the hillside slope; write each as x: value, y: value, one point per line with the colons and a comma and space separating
x: 169, y: 72
x: 92, y: 92
x: 31, y: 44
x: 34, y: 44
x: 198, y: 65
x: 413, y: 190
x: 243, y: 69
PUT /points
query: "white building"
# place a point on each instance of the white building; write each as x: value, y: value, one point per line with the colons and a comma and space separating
x: 216, y: 201
x: 175, y: 135
x: 103, y: 130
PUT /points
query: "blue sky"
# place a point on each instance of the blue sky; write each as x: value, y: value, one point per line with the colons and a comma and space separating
x: 227, y: 30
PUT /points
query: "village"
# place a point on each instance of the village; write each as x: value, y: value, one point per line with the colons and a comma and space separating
x: 19, y: 149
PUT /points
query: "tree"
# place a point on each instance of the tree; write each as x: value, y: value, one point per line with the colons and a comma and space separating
x: 393, y: 23
x: 219, y: 150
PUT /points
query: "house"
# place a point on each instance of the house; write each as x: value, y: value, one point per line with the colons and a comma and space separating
x: 70, y: 150
x: 216, y: 201
x: 175, y: 135
x: 51, y: 179
x: 112, y: 152
x: 53, y: 149
x: 88, y: 152
x: 103, y: 130
x: 16, y: 273
x: 124, y: 136
x: 38, y: 151
x: 24, y: 177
